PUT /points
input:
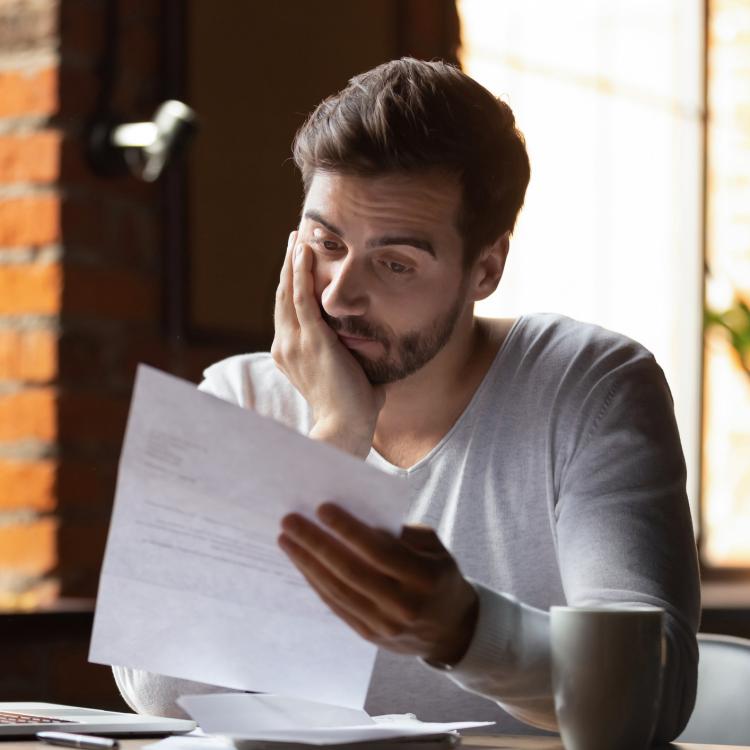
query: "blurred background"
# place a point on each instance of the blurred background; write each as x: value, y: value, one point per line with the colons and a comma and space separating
x: 637, y: 120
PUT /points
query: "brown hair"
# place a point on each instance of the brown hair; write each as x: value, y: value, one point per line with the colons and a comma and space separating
x: 409, y: 115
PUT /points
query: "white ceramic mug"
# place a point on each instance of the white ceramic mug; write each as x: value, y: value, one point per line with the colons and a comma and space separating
x: 607, y: 672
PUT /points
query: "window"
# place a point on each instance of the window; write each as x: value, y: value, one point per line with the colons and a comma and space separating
x: 610, y: 99
x: 726, y: 456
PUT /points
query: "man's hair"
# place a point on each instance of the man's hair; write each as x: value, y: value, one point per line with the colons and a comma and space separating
x: 412, y: 116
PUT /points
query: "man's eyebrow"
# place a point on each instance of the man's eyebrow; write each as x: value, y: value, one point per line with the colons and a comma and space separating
x: 315, y: 216
x: 418, y: 242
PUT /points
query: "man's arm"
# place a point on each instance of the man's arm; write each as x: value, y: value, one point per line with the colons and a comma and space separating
x: 624, y: 535
x: 157, y: 694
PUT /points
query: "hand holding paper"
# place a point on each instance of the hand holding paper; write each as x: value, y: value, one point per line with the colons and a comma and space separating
x: 193, y: 583
x: 405, y: 594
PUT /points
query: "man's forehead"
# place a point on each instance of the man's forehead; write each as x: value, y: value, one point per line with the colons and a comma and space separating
x: 431, y: 198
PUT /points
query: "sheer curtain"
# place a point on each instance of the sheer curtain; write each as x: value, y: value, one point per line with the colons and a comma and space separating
x: 609, y: 97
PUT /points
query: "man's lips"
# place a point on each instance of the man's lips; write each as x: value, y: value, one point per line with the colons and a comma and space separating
x: 354, y: 342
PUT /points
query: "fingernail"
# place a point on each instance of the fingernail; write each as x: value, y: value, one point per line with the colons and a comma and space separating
x: 298, y: 252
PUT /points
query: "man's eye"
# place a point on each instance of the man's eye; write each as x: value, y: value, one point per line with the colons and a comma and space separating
x: 326, y: 244
x: 395, y: 267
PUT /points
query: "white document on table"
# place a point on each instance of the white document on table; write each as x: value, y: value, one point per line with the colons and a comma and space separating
x: 193, y: 583
x: 275, y: 718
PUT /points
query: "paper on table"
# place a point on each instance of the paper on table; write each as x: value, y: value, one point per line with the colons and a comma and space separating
x: 278, y: 718
x: 193, y: 583
x: 239, y: 713
x: 195, y: 740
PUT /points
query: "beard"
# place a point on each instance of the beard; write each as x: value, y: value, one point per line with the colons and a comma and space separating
x: 404, y: 354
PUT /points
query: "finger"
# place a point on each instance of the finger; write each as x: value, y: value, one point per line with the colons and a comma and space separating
x: 284, y: 314
x: 305, y: 305
x: 343, y: 563
x: 423, y: 539
x: 357, y: 610
x: 350, y: 619
x: 379, y: 548
x: 357, y: 625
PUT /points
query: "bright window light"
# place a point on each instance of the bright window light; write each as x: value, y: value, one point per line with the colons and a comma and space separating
x: 609, y: 97
x: 726, y: 456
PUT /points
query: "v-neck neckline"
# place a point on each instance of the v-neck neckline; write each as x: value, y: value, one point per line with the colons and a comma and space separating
x: 385, y: 464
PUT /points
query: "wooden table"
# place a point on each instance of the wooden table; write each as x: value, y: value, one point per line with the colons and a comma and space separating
x: 497, y: 742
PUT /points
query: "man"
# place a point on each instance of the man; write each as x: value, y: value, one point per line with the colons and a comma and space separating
x: 543, y: 451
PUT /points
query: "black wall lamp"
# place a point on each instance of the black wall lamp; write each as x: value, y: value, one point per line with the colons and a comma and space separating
x: 142, y: 148
x: 115, y: 147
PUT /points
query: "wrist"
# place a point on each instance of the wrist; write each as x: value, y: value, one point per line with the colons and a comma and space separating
x: 356, y: 442
x: 451, y: 653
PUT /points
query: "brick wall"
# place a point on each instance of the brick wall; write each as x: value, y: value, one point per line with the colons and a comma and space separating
x: 81, y: 288
x: 31, y: 289
x: 82, y: 295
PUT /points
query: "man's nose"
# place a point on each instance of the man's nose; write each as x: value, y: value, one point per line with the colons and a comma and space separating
x: 345, y: 293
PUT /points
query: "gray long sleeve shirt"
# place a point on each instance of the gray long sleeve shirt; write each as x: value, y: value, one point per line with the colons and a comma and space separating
x: 563, y: 482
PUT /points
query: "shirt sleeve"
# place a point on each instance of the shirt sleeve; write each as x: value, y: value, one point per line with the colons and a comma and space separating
x: 157, y: 694
x: 624, y: 536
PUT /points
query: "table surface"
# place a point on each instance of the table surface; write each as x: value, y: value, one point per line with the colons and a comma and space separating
x: 498, y: 742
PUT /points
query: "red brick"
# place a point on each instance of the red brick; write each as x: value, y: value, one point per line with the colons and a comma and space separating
x: 30, y: 548
x: 26, y: 25
x: 28, y: 93
x: 30, y: 158
x: 28, y: 355
x: 28, y: 415
x: 27, y: 289
x: 30, y: 220
x: 110, y: 293
x: 28, y: 485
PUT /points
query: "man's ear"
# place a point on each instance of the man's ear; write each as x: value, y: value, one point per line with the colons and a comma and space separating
x: 489, y: 267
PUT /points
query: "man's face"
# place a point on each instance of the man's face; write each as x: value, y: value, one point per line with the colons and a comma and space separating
x: 388, y: 266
